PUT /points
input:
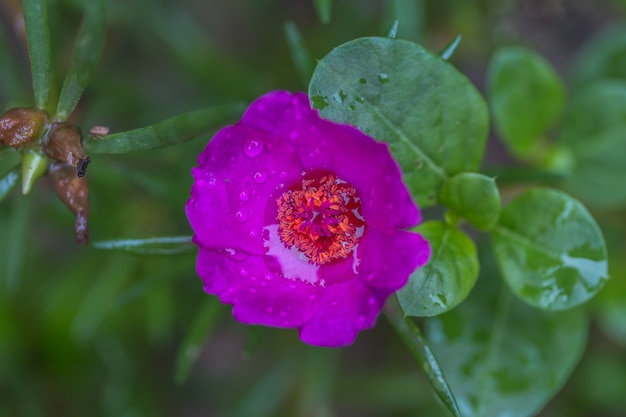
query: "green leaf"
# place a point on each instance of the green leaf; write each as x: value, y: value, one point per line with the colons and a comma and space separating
x: 34, y: 166
x: 87, y: 50
x: 610, y: 308
x: 203, y: 323
x: 475, y: 197
x: 430, y: 114
x: 550, y: 250
x: 165, y: 133
x: 323, y: 9
x: 602, y: 57
x: 408, y: 17
x: 38, y: 35
x: 18, y: 237
x: 526, y: 96
x: 447, y: 278
x: 8, y: 182
x: 501, y: 357
x: 300, y: 55
x: 173, y: 245
x: 447, y: 52
x: 593, y: 130
x: 418, y: 345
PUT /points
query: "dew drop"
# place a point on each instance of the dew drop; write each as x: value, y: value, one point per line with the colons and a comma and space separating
x: 252, y: 290
x: 260, y: 177
x: 241, y: 215
x: 383, y: 78
x: 282, y: 174
x: 244, y: 196
x: 252, y: 148
x: 312, y: 297
x: 252, y: 234
x: 243, y: 272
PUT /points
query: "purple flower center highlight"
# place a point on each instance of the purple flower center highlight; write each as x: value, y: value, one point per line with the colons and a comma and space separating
x: 302, y: 222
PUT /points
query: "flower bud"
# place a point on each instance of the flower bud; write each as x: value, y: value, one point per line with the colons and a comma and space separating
x: 34, y: 165
x: 64, y: 144
x: 21, y: 126
x: 74, y: 192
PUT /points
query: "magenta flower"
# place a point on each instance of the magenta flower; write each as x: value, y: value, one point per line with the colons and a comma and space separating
x: 300, y: 221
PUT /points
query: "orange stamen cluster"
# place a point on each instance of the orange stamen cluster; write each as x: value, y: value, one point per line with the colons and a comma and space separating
x: 321, y: 219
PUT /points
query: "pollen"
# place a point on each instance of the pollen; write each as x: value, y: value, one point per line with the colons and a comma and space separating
x: 321, y: 218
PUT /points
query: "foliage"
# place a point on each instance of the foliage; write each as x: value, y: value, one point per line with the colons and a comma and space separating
x: 525, y: 227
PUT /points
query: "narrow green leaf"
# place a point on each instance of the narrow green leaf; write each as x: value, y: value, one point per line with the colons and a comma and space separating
x: 392, y: 33
x: 167, y: 132
x: 474, y: 197
x: 447, y: 52
x: 433, y: 118
x: 151, y: 246
x: 87, y: 50
x: 323, y: 9
x: 200, y: 329
x: 418, y: 345
x: 593, y: 130
x: 501, y: 357
x: 550, y: 250
x: 409, y: 18
x: 17, y: 236
x: 8, y: 182
x: 447, y: 278
x: 300, y: 55
x: 526, y: 96
x: 34, y: 166
x: 38, y: 35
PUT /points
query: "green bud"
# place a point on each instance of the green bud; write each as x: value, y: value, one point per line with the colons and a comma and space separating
x: 473, y: 197
x: 34, y: 165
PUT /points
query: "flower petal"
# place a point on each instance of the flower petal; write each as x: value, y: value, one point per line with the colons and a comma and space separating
x: 391, y: 256
x: 344, y: 310
x: 257, y: 295
x: 231, y: 187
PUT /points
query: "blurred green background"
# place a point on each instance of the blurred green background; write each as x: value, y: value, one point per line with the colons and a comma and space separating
x: 85, y: 332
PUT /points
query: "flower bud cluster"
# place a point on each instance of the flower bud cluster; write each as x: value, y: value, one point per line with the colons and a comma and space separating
x: 57, y: 145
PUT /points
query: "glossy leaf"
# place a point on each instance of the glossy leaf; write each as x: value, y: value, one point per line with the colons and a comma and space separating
x: 300, y: 54
x: 323, y: 9
x: 430, y: 114
x: 38, y: 35
x: 87, y: 50
x: 167, y: 132
x: 200, y: 329
x: 8, y: 182
x: 550, y: 250
x: 501, y: 357
x: 526, y: 96
x: 447, y: 278
x: 602, y: 57
x: 34, y: 166
x: 593, y: 131
x: 474, y: 197
x: 151, y: 246
x: 418, y: 345
x: 447, y: 52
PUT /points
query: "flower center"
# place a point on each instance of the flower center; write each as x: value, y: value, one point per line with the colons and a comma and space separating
x: 321, y: 218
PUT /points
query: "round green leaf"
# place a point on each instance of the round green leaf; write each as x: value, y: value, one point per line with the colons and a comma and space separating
x: 501, y: 357
x: 433, y: 118
x: 550, y: 250
x: 593, y: 129
x: 447, y: 278
x: 526, y: 96
x: 602, y: 57
x: 474, y: 197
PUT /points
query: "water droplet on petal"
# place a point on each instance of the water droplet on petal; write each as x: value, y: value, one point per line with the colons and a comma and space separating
x: 252, y: 234
x: 241, y: 215
x: 282, y: 174
x: 252, y: 290
x: 243, y: 196
x: 243, y: 272
x: 260, y: 177
x: 252, y: 148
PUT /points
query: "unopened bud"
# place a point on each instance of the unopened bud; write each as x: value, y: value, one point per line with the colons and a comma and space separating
x: 74, y: 192
x: 64, y: 144
x: 21, y: 126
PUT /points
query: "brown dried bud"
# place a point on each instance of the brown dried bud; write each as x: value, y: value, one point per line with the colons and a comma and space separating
x: 21, y: 126
x: 74, y: 192
x: 65, y: 144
